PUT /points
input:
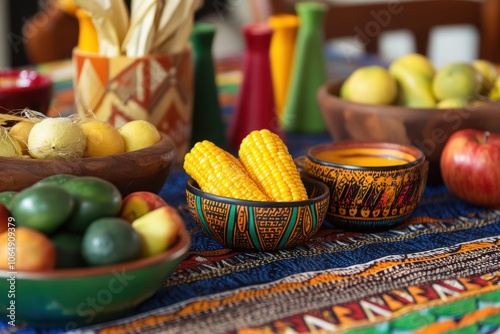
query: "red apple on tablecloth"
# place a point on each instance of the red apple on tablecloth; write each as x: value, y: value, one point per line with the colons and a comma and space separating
x: 4, y: 218
x: 470, y: 166
x: 158, y: 229
x: 138, y: 203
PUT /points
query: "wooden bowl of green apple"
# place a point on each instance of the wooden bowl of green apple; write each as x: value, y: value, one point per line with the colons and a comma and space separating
x: 411, y: 103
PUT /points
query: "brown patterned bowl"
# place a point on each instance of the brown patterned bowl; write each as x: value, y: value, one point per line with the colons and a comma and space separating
x: 261, y: 226
x: 146, y: 169
x: 372, y: 185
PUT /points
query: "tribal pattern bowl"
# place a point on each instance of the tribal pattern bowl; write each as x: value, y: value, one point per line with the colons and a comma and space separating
x: 261, y: 226
x: 370, y: 196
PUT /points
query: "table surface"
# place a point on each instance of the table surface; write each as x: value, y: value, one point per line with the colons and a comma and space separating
x: 438, y: 271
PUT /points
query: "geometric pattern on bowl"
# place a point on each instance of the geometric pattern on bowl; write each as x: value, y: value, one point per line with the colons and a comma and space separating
x: 262, y: 226
x: 155, y: 87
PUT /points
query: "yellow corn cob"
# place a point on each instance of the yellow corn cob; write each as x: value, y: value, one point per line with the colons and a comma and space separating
x: 269, y: 164
x: 220, y: 173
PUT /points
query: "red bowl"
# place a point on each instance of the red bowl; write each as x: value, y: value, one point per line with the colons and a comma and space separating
x: 21, y: 89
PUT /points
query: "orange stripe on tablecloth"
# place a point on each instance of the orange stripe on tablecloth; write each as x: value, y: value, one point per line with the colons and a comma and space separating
x: 379, y: 266
x: 474, y: 317
x: 468, y: 319
x: 440, y: 326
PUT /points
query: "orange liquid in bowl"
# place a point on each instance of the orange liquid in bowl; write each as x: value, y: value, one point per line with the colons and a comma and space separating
x: 365, y: 157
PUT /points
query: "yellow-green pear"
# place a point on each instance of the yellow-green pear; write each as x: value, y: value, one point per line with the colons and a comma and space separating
x: 418, y: 63
x: 414, y: 87
x: 489, y: 74
x: 457, y: 80
x: 451, y: 103
x: 494, y: 94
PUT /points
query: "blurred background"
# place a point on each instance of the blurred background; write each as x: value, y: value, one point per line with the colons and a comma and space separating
x: 447, y: 44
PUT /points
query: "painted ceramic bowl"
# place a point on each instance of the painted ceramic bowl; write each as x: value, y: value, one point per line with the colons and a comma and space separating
x: 372, y: 185
x: 425, y: 128
x: 69, y: 298
x: 20, y: 89
x: 261, y: 226
x: 146, y: 169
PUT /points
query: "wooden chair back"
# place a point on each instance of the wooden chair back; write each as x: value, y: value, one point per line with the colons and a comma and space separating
x: 367, y: 21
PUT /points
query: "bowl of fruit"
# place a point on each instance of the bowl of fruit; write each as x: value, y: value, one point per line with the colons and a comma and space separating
x: 135, y: 156
x: 74, y: 252
x: 412, y: 103
x: 259, y: 201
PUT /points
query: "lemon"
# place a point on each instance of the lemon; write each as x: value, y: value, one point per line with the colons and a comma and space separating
x: 371, y: 85
x: 489, y: 74
x: 414, y: 74
x: 452, y: 103
x: 139, y: 134
x: 56, y: 138
x: 494, y: 94
x: 417, y: 63
x: 9, y: 146
x: 456, y: 80
x: 102, y: 139
x: 21, y: 131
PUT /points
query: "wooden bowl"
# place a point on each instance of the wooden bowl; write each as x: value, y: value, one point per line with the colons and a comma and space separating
x: 261, y: 226
x: 375, y: 193
x: 20, y: 89
x: 426, y: 128
x: 73, y: 297
x: 145, y: 169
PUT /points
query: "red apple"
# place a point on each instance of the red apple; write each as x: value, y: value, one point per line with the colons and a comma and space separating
x: 470, y: 166
x: 158, y: 229
x: 138, y: 203
x: 4, y: 218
